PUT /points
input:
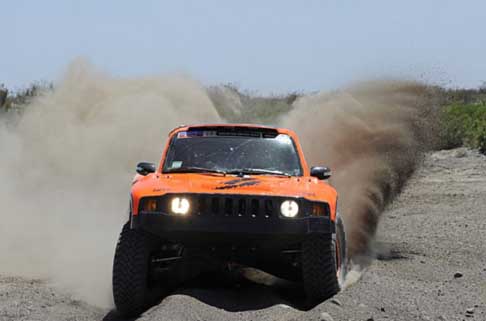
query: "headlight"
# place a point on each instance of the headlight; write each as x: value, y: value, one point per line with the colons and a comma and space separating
x: 289, y: 208
x: 180, y: 205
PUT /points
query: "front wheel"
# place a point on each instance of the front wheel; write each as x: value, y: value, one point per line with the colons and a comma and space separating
x: 324, y: 264
x: 132, y: 288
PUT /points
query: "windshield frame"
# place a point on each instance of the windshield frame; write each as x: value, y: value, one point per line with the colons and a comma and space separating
x: 174, y: 137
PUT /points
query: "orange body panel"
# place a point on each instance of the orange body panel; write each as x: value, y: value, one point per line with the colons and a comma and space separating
x: 305, y: 186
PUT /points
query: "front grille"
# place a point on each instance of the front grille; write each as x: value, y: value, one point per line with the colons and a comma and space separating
x: 233, y: 205
x: 224, y: 205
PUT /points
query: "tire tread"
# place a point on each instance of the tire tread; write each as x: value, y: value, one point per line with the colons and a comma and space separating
x: 319, y: 268
x: 130, y: 272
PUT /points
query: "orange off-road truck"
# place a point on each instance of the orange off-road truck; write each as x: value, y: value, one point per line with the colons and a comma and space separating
x: 227, y: 195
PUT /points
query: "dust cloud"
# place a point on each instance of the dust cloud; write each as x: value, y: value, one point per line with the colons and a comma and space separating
x: 66, y: 164
x: 66, y: 167
x: 372, y: 136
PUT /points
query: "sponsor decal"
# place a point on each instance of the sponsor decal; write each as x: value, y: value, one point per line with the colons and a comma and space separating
x: 240, y: 182
x: 197, y: 133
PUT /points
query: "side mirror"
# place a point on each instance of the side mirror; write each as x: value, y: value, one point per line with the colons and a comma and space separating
x: 145, y: 168
x: 320, y: 172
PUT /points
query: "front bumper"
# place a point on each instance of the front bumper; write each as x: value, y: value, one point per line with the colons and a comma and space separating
x: 201, y: 230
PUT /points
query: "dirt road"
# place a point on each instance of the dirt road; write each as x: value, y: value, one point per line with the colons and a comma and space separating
x: 432, y: 265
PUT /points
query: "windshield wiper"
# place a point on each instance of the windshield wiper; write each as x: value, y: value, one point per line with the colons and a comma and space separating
x: 193, y: 169
x: 240, y: 172
x: 257, y: 171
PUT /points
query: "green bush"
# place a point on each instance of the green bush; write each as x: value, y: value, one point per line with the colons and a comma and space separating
x: 464, y: 124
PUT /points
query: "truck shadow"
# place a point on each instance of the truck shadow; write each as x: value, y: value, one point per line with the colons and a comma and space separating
x: 246, y: 295
x: 239, y: 296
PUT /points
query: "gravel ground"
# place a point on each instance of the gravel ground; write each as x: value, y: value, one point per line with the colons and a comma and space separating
x: 431, y: 266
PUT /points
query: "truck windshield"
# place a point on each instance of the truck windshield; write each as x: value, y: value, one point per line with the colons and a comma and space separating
x: 232, y: 155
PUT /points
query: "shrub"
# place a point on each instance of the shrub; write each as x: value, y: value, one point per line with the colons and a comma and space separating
x: 464, y: 124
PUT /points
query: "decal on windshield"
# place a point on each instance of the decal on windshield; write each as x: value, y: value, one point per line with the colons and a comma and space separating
x: 197, y: 133
x: 176, y: 164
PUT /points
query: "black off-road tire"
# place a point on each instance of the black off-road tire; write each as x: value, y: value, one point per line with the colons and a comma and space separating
x: 132, y: 291
x: 323, y: 265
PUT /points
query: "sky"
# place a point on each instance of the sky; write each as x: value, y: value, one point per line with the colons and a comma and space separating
x: 264, y: 46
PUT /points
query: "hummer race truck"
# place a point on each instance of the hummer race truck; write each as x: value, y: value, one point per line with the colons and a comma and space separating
x: 229, y: 194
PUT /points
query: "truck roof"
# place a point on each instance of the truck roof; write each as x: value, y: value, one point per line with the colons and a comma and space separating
x: 233, y: 126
